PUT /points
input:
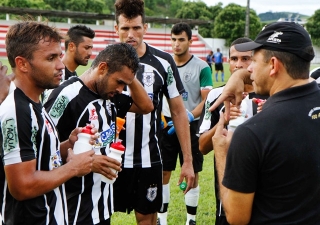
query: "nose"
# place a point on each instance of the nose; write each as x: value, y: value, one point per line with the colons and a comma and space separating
x: 90, y: 51
x: 120, y: 88
x: 60, y: 65
x: 239, y: 64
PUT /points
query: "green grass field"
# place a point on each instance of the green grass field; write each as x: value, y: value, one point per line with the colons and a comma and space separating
x: 177, y: 210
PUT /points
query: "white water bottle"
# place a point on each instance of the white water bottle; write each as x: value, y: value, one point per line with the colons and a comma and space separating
x: 82, y: 144
x: 234, y: 123
x: 116, y: 151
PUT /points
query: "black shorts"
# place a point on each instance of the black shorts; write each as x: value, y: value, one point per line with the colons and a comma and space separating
x: 218, y: 66
x: 138, y: 189
x: 170, y: 149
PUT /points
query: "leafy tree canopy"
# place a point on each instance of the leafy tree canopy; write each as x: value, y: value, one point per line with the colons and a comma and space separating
x: 313, y: 27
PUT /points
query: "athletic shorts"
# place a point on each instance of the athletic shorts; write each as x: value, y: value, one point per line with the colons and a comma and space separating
x: 138, y: 189
x: 170, y: 149
x: 218, y: 66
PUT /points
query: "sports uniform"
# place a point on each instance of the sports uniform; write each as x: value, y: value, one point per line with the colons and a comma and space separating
x: 28, y: 133
x: 67, y: 74
x: 72, y: 105
x: 218, y: 64
x: 195, y: 76
x: 275, y: 154
x: 207, y: 121
x: 159, y: 75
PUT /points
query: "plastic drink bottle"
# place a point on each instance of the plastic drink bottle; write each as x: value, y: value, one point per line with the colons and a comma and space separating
x: 234, y: 123
x: 116, y: 151
x: 82, y: 144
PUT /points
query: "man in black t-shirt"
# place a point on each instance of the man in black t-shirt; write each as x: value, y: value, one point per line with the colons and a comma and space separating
x: 268, y: 172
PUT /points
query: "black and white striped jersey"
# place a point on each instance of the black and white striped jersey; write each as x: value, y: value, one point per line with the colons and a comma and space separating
x: 73, y: 105
x: 28, y: 133
x: 159, y: 75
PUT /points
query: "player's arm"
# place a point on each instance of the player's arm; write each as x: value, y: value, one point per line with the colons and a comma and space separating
x: 237, y: 205
x: 142, y: 103
x: 180, y: 120
x: 233, y: 91
x: 4, y: 82
x: 25, y: 182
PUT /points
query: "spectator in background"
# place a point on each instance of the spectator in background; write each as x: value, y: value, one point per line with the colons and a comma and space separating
x: 78, y: 49
x: 218, y: 64
x: 210, y: 59
x: 139, y: 185
x: 197, y: 81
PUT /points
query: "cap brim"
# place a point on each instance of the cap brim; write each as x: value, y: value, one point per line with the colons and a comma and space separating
x: 248, y: 46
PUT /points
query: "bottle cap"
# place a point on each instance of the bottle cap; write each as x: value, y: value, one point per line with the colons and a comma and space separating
x: 118, y: 146
x: 183, y: 186
x: 120, y: 122
x: 87, y: 130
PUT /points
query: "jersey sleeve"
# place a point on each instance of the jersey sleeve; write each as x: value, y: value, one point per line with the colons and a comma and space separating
x: 18, y: 132
x: 206, y: 78
x: 173, y: 82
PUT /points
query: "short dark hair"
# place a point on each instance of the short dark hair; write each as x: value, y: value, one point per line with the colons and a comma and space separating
x: 117, y: 56
x: 296, y: 67
x: 76, y: 33
x: 130, y: 9
x: 22, y: 39
x: 178, y: 28
x: 239, y: 41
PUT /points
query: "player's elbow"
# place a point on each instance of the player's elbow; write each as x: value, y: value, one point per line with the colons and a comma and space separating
x: 147, y: 108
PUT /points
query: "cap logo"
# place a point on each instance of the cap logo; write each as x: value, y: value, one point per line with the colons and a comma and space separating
x: 274, y: 37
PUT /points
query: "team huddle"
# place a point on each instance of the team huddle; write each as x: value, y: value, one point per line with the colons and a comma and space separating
x: 262, y: 125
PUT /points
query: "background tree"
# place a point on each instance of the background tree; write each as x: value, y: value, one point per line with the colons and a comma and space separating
x: 230, y: 23
x: 199, y: 10
x: 313, y: 27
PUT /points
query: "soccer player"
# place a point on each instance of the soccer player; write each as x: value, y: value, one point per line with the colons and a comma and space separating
x: 139, y: 185
x: 197, y: 81
x: 35, y: 164
x: 97, y: 97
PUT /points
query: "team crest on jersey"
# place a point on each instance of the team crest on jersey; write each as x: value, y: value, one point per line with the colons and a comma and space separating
x: 187, y: 76
x: 93, y: 114
x: 56, y: 160
x: 58, y: 107
x: 152, y: 193
x: 170, y: 76
x: 107, y: 136
x: 9, y: 133
x: 148, y: 78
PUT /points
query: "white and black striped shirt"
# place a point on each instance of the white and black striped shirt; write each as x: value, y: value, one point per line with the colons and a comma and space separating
x: 28, y: 133
x: 73, y: 105
x: 159, y: 75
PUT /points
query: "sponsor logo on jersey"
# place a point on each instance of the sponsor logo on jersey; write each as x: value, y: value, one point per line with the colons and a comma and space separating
x: 9, y: 132
x: 34, y: 132
x: 170, y: 76
x: 107, y: 136
x: 187, y: 76
x: 207, y: 112
x: 93, y: 115
x: 58, y: 107
x: 56, y: 160
x: 152, y: 193
x: 48, y: 125
x: 184, y: 96
x: 151, y: 96
x: 148, y: 78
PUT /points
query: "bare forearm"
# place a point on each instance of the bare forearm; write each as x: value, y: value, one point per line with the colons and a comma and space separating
x: 142, y: 102
x: 198, y: 109
x: 205, y: 141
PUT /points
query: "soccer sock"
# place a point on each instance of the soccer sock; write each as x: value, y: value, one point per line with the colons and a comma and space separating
x: 216, y: 76
x: 191, y: 200
x: 163, y: 213
x: 222, y: 77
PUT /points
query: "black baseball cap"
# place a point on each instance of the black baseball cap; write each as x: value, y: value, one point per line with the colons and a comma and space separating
x: 281, y: 36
